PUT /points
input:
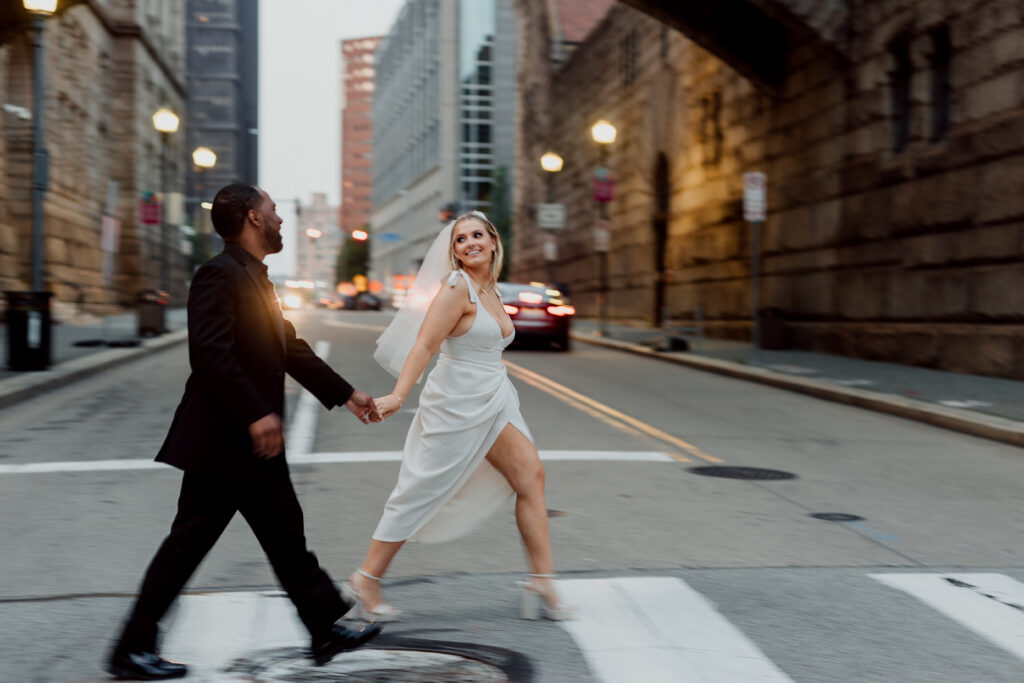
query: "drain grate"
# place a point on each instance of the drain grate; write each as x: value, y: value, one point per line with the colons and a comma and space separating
x: 836, y: 517
x: 751, y: 473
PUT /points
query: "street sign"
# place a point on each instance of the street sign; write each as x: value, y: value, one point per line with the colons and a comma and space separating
x: 754, y: 196
x: 550, y: 249
x: 551, y: 216
x: 149, y: 209
x: 604, y: 184
x: 602, y: 237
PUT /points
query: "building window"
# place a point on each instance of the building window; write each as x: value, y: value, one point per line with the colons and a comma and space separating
x: 940, y: 86
x: 899, y: 80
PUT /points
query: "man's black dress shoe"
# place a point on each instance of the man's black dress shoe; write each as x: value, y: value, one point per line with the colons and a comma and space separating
x: 339, y: 639
x: 144, y: 666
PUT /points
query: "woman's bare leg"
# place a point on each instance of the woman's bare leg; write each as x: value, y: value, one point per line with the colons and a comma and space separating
x: 378, y: 559
x: 516, y: 458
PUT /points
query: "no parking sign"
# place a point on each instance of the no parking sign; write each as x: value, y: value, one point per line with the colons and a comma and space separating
x: 754, y: 196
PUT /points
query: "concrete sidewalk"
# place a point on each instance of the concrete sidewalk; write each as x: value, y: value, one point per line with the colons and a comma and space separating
x: 988, y: 407
x: 85, y: 346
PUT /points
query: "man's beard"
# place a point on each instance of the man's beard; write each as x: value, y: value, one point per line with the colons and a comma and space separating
x: 272, y: 242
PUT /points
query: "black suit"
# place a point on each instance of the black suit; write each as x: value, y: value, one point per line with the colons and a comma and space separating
x: 240, y: 347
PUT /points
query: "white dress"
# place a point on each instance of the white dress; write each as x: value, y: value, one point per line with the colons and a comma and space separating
x: 446, y: 487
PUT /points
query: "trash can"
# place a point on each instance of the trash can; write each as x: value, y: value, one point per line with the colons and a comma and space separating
x: 152, y: 312
x: 28, y: 330
x: 772, y: 324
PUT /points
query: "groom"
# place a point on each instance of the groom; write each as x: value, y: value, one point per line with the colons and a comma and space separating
x: 228, y: 438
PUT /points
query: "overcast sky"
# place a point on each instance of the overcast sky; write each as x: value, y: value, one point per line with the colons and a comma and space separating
x: 300, y: 96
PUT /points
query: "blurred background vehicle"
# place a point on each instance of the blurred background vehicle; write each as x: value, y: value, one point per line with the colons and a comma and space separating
x: 363, y: 301
x: 540, y: 313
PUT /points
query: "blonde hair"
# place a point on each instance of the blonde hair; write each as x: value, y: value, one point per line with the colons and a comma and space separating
x: 497, y: 256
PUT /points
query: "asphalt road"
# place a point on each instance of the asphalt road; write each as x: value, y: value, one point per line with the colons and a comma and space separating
x: 712, y: 579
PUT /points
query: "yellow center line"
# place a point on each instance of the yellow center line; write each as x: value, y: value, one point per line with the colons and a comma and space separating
x: 584, y: 408
x: 566, y: 393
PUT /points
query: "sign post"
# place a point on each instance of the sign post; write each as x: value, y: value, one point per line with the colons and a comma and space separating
x: 754, y: 212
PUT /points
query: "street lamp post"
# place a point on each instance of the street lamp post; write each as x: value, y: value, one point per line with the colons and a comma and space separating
x: 28, y: 313
x: 39, y: 9
x: 166, y: 122
x: 603, y: 134
x: 204, y: 158
x: 552, y: 164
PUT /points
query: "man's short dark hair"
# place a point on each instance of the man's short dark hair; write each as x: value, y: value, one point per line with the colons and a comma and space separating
x: 230, y: 207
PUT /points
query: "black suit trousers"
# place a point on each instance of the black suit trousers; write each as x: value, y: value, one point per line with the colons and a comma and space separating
x: 267, y: 501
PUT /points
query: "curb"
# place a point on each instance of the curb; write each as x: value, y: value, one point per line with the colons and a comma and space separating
x: 975, y: 424
x: 33, y: 383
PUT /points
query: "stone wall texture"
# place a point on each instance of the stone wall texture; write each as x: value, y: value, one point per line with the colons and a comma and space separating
x: 909, y: 252
x: 109, y: 66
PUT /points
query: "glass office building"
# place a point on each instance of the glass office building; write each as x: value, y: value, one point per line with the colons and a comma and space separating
x: 444, y: 120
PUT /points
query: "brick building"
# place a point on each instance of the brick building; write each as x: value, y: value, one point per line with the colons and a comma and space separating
x: 109, y: 66
x: 892, y: 136
x: 357, y: 132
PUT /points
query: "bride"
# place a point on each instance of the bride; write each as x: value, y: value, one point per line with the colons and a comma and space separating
x: 468, y: 449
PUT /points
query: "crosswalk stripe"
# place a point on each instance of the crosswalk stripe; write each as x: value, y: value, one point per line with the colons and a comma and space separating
x: 658, y: 629
x: 314, y: 459
x: 991, y: 605
x: 212, y: 630
x: 302, y: 430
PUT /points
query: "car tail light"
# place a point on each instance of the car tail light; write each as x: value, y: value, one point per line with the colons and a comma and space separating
x: 511, y: 310
x: 531, y: 297
x: 561, y: 310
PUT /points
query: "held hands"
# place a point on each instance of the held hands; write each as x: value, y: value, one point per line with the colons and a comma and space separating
x: 363, y: 407
x: 388, y: 405
x: 267, y: 436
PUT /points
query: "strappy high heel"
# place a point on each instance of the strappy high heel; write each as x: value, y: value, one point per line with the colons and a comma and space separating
x: 535, y: 597
x: 381, y: 612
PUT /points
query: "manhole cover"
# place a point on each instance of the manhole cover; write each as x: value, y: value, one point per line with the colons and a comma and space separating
x: 753, y: 473
x: 377, y: 666
x: 836, y: 517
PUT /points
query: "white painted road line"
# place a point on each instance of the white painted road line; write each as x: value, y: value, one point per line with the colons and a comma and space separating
x: 302, y: 430
x: 988, y: 604
x: 659, y: 630
x: 315, y: 459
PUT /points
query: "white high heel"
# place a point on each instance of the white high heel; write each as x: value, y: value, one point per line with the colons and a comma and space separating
x: 381, y: 612
x: 535, y: 598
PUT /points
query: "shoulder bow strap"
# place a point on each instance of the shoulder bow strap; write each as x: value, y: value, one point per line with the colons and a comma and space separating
x: 453, y: 280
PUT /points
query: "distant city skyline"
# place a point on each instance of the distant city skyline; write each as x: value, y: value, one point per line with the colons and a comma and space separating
x: 300, y: 99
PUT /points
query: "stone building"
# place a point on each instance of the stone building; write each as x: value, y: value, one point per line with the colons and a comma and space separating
x: 892, y: 136
x: 109, y: 66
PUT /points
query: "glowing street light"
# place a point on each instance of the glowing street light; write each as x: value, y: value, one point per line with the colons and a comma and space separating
x: 314, y: 233
x: 360, y: 235
x: 41, y: 7
x: 603, y: 132
x: 551, y: 162
x: 165, y: 120
x: 204, y: 157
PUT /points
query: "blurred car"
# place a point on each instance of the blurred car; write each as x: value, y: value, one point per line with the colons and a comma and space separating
x: 539, y: 313
x: 363, y: 301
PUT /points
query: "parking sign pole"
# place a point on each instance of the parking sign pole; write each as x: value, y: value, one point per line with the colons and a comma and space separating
x: 754, y: 212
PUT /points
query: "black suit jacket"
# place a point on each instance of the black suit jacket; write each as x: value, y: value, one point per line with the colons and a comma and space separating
x: 240, y: 347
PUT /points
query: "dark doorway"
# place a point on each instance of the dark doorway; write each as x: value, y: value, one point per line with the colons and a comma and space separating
x: 660, y: 225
